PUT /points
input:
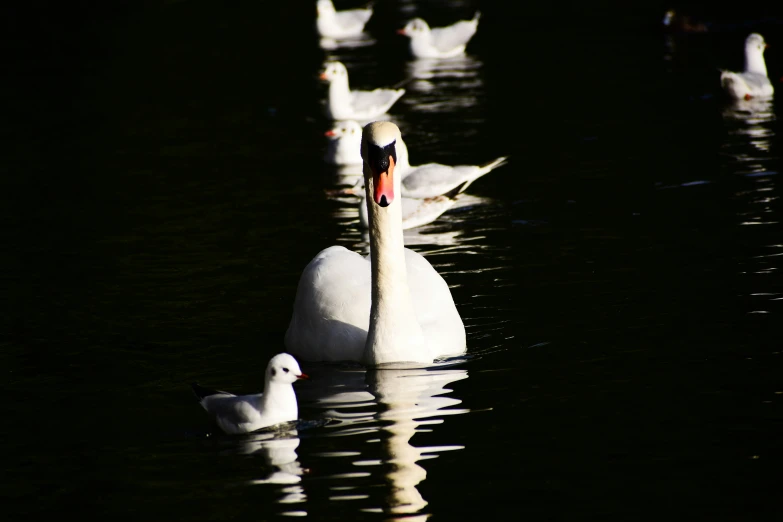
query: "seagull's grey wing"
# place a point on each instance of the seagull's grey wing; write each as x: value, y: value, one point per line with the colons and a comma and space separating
x: 434, y: 179
x: 447, y: 38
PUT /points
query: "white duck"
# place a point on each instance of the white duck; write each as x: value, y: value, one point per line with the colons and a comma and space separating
x: 344, y: 104
x: 439, y: 42
x: 345, y: 141
x: 340, y: 24
x: 245, y: 413
x: 389, y: 307
x: 753, y: 82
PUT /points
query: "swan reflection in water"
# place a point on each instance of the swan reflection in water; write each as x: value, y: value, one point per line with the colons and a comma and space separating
x: 386, y: 407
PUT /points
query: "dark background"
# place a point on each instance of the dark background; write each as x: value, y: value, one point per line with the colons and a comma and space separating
x: 161, y: 188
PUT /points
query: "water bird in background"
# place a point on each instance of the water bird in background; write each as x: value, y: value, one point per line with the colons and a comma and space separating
x: 431, y: 179
x: 245, y: 413
x: 348, y: 23
x: 344, y: 104
x: 391, y: 306
x: 753, y: 81
x: 345, y: 140
x: 439, y: 42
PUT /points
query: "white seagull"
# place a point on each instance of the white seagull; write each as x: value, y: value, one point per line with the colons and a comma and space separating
x: 431, y: 179
x: 245, y: 413
x: 345, y: 141
x: 344, y: 104
x: 340, y: 24
x: 389, y: 307
x: 439, y: 42
x: 753, y: 82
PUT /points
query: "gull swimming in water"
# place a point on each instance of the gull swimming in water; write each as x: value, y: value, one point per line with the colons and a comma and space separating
x: 245, y: 413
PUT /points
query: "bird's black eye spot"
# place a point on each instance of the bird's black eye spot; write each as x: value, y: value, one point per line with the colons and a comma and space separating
x: 285, y: 370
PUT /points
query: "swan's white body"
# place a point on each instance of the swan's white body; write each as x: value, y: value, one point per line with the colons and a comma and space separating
x: 345, y: 141
x: 237, y: 414
x: 344, y: 104
x: 439, y: 42
x: 340, y: 24
x: 389, y: 307
x: 753, y: 82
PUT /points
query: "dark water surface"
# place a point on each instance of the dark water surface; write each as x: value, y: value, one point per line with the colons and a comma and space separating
x: 163, y: 188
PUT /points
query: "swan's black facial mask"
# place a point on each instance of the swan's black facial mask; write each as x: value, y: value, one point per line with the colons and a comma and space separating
x: 378, y: 157
x: 382, y: 161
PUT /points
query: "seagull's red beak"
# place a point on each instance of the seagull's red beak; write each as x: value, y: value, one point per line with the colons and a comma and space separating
x: 384, y: 185
x: 402, y: 32
x: 329, y: 133
x: 323, y: 76
x: 302, y: 376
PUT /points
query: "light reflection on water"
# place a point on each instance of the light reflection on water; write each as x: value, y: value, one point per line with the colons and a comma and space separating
x: 748, y: 145
x: 442, y: 85
x: 384, y: 409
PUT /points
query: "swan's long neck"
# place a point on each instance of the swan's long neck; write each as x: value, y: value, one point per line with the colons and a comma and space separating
x: 754, y: 61
x: 395, y: 334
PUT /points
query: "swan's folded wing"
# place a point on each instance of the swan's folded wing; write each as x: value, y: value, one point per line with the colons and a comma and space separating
x: 332, y: 307
x: 447, y: 38
x: 435, y: 308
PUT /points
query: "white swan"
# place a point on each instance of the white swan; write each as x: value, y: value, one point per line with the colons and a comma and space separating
x: 345, y: 141
x: 245, y: 413
x: 439, y: 42
x: 753, y: 82
x: 340, y: 24
x: 344, y: 104
x: 389, y: 307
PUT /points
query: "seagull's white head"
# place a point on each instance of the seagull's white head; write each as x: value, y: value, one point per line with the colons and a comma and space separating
x: 333, y: 70
x: 379, y: 153
x: 324, y: 7
x: 755, y: 43
x: 345, y: 129
x: 415, y: 27
x: 283, y: 368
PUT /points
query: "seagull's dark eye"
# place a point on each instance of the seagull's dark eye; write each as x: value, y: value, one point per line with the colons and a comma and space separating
x: 285, y: 370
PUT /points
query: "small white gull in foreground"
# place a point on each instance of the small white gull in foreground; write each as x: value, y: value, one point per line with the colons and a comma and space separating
x: 245, y: 413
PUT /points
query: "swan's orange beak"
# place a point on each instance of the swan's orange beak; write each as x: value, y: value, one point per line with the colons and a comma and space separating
x: 302, y: 376
x: 384, y: 185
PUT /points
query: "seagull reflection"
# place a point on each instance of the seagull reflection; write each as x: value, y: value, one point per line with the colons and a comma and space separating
x: 443, y: 84
x: 277, y: 448
x: 391, y: 405
x: 333, y: 44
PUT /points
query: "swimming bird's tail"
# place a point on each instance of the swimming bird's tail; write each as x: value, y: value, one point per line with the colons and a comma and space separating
x: 202, y: 393
x: 477, y: 16
x: 499, y: 162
